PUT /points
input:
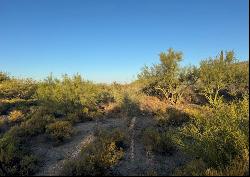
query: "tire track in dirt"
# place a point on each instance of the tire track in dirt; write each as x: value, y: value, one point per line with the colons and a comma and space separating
x: 54, y: 157
x: 136, y: 161
x: 132, y: 142
x: 54, y: 169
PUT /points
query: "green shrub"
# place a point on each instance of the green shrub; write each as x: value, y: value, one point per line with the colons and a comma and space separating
x: 73, y: 95
x: 223, y: 73
x: 159, y: 142
x: 104, y: 98
x: 15, y: 158
x: 173, y: 117
x: 37, y: 124
x: 7, y: 105
x: 22, y: 89
x: 238, y: 167
x: 59, y: 130
x: 218, y: 136
x: 97, y: 158
x: 15, y: 155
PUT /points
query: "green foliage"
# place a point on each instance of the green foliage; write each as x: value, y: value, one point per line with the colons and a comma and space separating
x: 163, y: 79
x: 4, y: 76
x: 129, y: 106
x: 15, y: 158
x: 238, y: 167
x: 223, y: 73
x: 14, y: 88
x: 218, y: 136
x: 173, y: 117
x: 15, y: 155
x: 159, y: 142
x: 73, y: 95
x: 60, y: 130
x: 36, y: 123
x: 104, y: 98
x: 97, y: 158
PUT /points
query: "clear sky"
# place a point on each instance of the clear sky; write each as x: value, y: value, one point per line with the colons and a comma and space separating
x: 107, y: 40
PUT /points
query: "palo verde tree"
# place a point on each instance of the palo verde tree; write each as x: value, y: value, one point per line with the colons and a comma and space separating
x: 163, y: 79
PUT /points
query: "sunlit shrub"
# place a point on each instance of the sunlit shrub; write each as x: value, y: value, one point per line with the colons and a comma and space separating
x: 15, y: 116
x: 220, y: 136
x: 150, y: 104
x: 23, y: 89
x: 73, y: 95
x: 193, y: 168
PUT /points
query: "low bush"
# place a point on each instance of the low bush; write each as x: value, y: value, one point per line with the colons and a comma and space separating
x: 153, y: 105
x: 15, y: 157
x: 238, y: 167
x: 173, y: 117
x: 59, y: 130
x: 16, y: 116
x: 159, y: 142
x: 37, y: 124
x: 97, y: 158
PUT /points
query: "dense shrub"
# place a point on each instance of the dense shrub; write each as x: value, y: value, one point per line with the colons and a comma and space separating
x: 23, y: 89
x: 159, y: 142
x: 104, y: 98
x: 15, y: 158
x: 37, y: 123
x: 173, y: 117
x: 59, y: 130
x: 218, y: 136
x: 7, y: 105
x: 73, y: 95
x: 162, y: 79
x: 223, y: 73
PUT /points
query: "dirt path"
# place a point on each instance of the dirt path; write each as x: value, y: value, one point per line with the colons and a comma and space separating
x: 55, y: 156
x: 136, y: 161
x: 139, y: 162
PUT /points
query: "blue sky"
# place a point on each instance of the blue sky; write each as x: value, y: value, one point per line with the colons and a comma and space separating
x: 107, y: 40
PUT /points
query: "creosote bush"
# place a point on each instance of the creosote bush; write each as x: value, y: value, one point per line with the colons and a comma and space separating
x: 59, y: 130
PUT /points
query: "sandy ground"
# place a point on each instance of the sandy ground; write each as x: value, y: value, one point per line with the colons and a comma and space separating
x: 53, y: 157
x: 136, y: 161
